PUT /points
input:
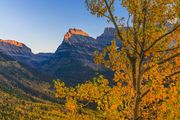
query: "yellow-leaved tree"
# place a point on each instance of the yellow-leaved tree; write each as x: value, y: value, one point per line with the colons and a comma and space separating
x: 147, y: 67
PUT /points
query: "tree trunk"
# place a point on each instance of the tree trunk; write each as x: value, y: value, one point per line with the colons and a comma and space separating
x: 137, y: 107
x: 138, y: 94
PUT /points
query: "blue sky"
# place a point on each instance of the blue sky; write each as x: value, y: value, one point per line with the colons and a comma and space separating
x: 41, y: 24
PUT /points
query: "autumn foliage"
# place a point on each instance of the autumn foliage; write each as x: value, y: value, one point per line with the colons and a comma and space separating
x: 146, y: 68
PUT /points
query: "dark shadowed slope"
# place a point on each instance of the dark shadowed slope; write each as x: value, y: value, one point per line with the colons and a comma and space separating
x: 19, y: 81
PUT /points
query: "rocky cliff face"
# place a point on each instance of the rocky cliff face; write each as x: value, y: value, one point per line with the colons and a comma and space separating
x: 107, y: 34
x: 78, y: 46
x: 73, y: 60
x: 74, y: 31
x: 14, y: 48
x: 106, y: 37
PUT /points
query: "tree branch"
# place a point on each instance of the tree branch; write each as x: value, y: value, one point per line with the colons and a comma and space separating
x: 113, y: 20
x: 100, y: 12
x: 128, y: 23
x: 166, y: 60
x: 111, y: 3
x: 157, y: 40
x: 144, y: 25
x: 162, y: 62
x: 145, y: 93
x: 177, y: 72
x: 127, y: 35
x: 170, y: 49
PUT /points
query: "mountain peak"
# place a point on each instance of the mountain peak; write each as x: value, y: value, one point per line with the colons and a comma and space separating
x: 74, y: 31
x: 12, y: 42
x: 14, y: 48
x: 108, y: 31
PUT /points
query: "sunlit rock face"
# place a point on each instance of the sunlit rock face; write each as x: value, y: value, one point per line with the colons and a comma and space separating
x: 74, y: 31
x: 14, y: 48
x: 12, y: 42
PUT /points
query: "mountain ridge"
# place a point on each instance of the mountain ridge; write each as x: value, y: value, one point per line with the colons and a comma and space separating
x: 73, y: 61
x: 12, y: 42
x: 14, y: 48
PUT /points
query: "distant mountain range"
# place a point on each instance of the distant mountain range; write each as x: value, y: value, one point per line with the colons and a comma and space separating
x: 72, y: 62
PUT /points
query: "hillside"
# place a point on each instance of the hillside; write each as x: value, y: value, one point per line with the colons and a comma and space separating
x: 13, y: 108
x: 18, y: 80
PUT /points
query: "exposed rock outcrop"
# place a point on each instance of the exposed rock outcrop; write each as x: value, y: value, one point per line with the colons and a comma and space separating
x: 12, y: 42
x: 74, y: 31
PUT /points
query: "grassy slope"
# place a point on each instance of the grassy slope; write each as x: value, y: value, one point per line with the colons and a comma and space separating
x: 12, y: 108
